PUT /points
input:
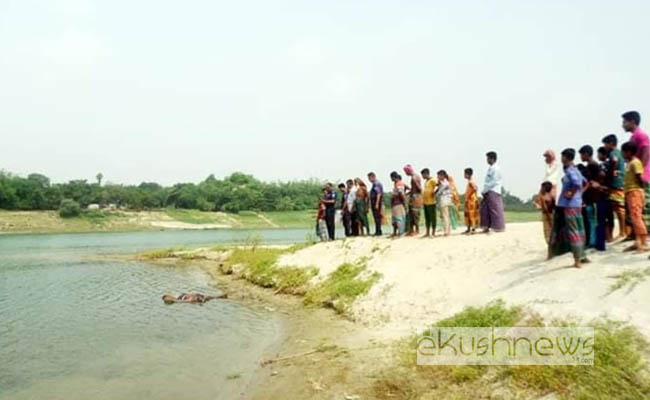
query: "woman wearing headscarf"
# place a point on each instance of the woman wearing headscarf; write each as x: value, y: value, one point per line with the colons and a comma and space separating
x: 361, y: 204
x: 552, y: 171
x: 414, y: 200
x: 454, y: 215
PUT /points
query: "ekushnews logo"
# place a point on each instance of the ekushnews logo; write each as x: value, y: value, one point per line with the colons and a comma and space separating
x: 507, y: 346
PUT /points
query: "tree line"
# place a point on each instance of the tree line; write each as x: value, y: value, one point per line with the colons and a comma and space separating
x: 236, y: 192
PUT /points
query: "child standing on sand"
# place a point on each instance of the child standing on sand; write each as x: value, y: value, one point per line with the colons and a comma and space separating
x: 321, y: 225
x: 546, y: 202
x: 471, y: 202
x: 635, y: 196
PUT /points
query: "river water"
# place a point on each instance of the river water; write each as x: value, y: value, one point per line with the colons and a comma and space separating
x: 77, y: 326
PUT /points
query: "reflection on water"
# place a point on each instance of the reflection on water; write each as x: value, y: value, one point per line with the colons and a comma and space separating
x: 77, y: 328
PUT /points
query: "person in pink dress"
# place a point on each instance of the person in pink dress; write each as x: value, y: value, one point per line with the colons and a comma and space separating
x: 631, y: 122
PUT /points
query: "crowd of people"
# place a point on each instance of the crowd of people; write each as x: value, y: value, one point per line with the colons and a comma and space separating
x: 436, y: 195
x: 581, y: 202
x: 609, y: 185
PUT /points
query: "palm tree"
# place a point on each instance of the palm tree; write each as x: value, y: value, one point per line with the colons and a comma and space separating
x: 99, y: 177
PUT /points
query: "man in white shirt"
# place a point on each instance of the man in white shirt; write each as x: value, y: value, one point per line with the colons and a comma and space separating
x: 351, y: 209
x: 492, y: 216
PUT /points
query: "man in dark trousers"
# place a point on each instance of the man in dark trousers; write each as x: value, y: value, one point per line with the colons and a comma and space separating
x: 330, y: 209
x: 376, y: 202
x: 347, y: 223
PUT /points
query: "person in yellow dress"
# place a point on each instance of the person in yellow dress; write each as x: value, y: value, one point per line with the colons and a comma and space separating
x: 471, y: 203
x: 429, y: 202
x: 635, y: 196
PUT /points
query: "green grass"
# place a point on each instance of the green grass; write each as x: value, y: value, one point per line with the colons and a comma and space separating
x: 342, y: 287
x: 495, y: 313
x: 629, y: 278
x: 523, y: 216
x: 160, y: 254
x: 232, y: 377
x: 258, y: 266
x: 193, y: 216
x: 619, y: 370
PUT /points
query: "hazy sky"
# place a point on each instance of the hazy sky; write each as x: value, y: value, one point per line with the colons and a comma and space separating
x: 172, y: 91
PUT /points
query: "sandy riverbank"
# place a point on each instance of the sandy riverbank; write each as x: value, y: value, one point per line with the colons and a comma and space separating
x: 424, y: 280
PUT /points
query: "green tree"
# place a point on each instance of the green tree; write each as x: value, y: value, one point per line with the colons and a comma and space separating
x: 69, y: 208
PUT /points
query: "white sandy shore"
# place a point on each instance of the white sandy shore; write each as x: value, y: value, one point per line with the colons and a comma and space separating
x: 424, y: 280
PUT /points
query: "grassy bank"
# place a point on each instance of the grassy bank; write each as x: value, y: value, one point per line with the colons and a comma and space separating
x: 258, y: 265
x: 51, y: 222
x: 388, y: 369
x: 619, y: 371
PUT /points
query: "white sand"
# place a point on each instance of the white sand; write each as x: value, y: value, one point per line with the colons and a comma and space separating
x: 424, y: 280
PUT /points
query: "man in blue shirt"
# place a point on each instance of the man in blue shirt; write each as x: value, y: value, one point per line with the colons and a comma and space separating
x: 376, y: 202
x: 568, y: 233
x: 330, y: 209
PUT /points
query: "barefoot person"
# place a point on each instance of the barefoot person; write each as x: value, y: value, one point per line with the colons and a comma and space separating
x: 492, y: 205
x: 546, y: 202
x: 568, y: 233
x: 414, y: 200
x: 329, y: 199
x: 590, y: 197
x: 429, y: 202
x: 631, y: 122
x: 361, y: 205
x: 345, y: 215
x: 454, y: 215
x: 376, y: 202
x: 614, y: 182
x: 471, y: 202
x: 635, y: 196
x: 445, y: 200
x: 397, y: 204
x: 605, y: 215
x: 321, y: 224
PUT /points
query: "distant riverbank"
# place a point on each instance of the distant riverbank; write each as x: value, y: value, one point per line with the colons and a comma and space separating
x: 169, y: 219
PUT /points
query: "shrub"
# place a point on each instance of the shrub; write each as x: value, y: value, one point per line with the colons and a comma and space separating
x: 69, y: 208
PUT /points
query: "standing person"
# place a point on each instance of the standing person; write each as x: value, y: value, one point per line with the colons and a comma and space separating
x: 445, y: 200
x: 321, y: 225
x: 361, y: 204
x: 429, y: 202
x: 604, y: 213
x: 568, y: 233
x: 631, y: 122
x: 553, y: 171
x: 329, y: 199
x: 351, y: 207
x: 397, y: 205
x: 471, y: 202
x: 492, y: 205
x: 590, y: 196
x: 376, y: 202
x: 415, y: 200
x: 454, y: 216
x: 546, y: 202
x: 635, y: 195
x: 614, y: 181
x: 345, y: 215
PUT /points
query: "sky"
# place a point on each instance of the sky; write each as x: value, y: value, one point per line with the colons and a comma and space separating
x: 172, y: 91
